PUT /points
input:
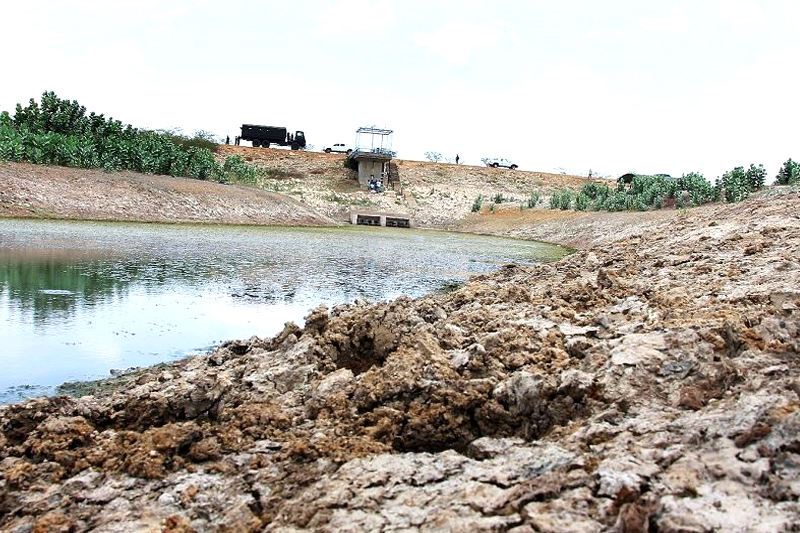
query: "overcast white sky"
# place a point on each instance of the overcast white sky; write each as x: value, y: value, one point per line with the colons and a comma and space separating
x: 615, y: 86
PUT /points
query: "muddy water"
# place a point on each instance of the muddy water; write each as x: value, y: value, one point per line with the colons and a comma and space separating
x: 78, y: 299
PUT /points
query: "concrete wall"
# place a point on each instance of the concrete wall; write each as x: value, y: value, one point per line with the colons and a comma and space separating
x: 369, y: 168
x: 395, y: 220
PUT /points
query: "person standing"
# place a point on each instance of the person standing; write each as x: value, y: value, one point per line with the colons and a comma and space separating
x: 456, y: 159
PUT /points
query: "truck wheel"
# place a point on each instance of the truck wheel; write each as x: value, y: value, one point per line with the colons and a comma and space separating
x: 295, y: 146
x: 327, y: 150
x: 513, y: 167
x: 256, y: 144
x: 495, y: 165
x: 265, y: 144
x: 349, y: 151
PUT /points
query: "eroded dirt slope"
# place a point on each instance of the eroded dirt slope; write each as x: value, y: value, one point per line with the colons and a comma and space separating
x: 436, y: 195
x: 298, y: 188
x: 68, y: 193
x: 649, y: 384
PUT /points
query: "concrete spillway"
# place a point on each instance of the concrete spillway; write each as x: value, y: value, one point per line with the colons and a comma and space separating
x: 378, y: 219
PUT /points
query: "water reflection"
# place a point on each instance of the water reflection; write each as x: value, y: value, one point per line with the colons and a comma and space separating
x: 52, y: 286
x: 77, y: 299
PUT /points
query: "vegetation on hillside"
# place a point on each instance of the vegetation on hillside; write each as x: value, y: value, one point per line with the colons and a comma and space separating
x: 789, y: 173
x: 644, y: 192
x: 59, y: 132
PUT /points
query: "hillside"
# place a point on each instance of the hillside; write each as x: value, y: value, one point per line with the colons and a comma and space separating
x: 299, y: 187
x: 435, y: 194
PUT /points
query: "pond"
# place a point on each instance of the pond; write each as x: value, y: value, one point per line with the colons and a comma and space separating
x: 78, y: 299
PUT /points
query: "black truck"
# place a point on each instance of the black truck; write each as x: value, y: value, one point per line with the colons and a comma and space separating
x: 266, y: 135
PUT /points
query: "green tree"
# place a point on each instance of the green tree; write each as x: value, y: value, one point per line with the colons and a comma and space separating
x: 756, y: 177
x: 789, y: 173
x: 699, y: 188
x: 733, y: 186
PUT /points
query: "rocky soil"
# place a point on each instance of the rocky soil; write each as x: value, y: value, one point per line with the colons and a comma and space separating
x: 648, y: 383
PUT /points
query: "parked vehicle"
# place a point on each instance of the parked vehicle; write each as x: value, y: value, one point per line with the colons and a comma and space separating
x: 339, y: 148
x: 496, y: 162
x: 266, y: 135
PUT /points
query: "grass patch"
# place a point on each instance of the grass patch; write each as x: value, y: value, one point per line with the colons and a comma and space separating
x: 347, y: 200
x: 477, y: 203
x: 450, y: 286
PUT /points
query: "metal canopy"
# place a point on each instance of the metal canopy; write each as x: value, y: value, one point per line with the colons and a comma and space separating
x: 374, y: 131
x: 380, y: 140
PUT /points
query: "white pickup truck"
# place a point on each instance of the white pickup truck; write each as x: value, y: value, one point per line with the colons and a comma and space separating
x: 499, y: 162
x: 338, y: 147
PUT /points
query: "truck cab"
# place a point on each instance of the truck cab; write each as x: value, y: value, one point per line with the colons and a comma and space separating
x: 299, y: 140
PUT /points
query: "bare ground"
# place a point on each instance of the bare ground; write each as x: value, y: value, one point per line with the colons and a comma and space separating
x: 647, y: 383
x: 58, y: 192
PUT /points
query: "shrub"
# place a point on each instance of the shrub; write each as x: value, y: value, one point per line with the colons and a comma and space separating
x: 565, y: 199
x: 594, y: 191
x: 498, y: 198
x: 789, y: 173
x: 582, y: 202
x: 732, y: 186
x: 756, y: 177
x: 561, y: 199
x: 700, y: 190
x: 615, y: 202
x: 477, y: 204
x: 555, y: 200
x: 237, y: 168
x: 201, y: 139
x: 533, y: 199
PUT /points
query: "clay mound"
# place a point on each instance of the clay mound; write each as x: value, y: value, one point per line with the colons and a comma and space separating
x: 650, y: 385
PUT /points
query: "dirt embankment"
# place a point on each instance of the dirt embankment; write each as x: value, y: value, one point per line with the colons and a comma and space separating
x: 435, y: 195
x: 58, y: 192
x: 297, y: 188
x: 650, y: 383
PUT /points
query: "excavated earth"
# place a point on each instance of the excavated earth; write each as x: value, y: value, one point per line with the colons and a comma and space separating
x: 649, y: 383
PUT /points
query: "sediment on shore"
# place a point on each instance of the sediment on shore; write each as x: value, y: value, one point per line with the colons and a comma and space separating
x: 647, y: 383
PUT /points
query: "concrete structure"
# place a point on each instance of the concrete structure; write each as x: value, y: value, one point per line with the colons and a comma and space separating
x: 372, y: 166
x: 381, y: 219
x: 372, y: 154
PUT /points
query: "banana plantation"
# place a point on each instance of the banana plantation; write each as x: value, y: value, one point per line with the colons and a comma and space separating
x: 59, y: 132
x: 638, y: 192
